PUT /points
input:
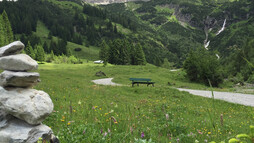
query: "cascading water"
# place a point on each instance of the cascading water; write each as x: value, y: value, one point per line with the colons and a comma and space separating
x: 223, y: 27
x: 206, y: 42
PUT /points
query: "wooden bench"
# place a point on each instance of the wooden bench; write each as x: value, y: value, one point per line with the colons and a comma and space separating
x: 141, y: 81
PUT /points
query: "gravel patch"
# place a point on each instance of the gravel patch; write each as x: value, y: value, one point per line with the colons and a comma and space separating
x: 105, y: 81
x: 238, y: 98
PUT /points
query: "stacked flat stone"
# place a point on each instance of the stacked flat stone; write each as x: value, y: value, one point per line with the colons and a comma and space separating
x: 22, y: 109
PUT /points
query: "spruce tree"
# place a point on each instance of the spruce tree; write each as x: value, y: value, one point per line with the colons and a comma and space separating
x: 29, y: 50
x: 140, y: 58
x: 40, y: 55
x: 45, y: 47
x: 103, y: 54
x: 7, y: 28
x: 1, y: 32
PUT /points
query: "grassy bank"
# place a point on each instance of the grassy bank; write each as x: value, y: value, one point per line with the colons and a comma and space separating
x: 85, y: 112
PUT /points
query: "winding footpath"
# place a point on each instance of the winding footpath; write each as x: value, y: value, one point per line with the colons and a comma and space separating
x: 238, y: 98
x: 105, y: 81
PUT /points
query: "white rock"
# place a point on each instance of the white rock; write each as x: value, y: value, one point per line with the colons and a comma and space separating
x: 18, y: 79
x: 18, y: 131
x: 12, y: 49
x: 30, y: 105
x: 20, y: 62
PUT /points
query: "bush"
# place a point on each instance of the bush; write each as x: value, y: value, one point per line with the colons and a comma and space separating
x: 202, y: 66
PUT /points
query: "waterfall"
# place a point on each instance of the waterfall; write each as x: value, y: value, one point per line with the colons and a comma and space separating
x: 223, y: 27
x: 206, y: 45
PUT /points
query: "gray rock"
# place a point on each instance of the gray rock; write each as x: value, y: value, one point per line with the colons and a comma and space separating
x: 18, y: 131
x: 20, y: 62
x: 18, y: 79
x: 12, y: 49
x: 30, y: 105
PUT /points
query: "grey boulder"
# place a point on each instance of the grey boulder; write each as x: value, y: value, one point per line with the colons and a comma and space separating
x: 20, y: 62
x: 30, y: 105
x: 18, y: 79
x: 18, y: 131
x: 12, y: 49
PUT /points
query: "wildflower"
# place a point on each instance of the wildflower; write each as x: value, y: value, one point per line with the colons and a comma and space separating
x: 131, y: 130
x: 205, y: 140
x: 105, y: 134
x: 109, y: 130
x: 177, y: 139
x: 68, y: 123
x: 101, y: 131
x: 209, y: 133
x: 196, y: 141
x: 62, y: 120
x: 221, y: 119
x: 79, y: 102
x: 142, y: 135
x: 167, y: 116
x: 106, y: 114
x: 114, y: 119
x: 84, y: 132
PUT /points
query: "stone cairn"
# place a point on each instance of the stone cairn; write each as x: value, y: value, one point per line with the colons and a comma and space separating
x: 22, y: 109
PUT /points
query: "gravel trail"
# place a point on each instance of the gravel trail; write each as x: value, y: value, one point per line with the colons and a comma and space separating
x: 238, y: 98
x: 105, y: 81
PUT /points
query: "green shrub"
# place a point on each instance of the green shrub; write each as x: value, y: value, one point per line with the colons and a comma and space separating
x: 202, y: 66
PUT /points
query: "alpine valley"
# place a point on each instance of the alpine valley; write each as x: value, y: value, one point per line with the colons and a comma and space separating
x: 167, y: 29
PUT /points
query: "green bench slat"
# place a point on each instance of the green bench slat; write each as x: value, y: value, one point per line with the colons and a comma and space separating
x: 140, y: 79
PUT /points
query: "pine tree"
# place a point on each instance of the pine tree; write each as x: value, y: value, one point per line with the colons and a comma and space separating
x: 29, y: 50
x: 40, y: 55
x: 45, y: 47
x: 1, y: 32
x: 103, y: 54
x: 140, y: 58
x: 7, y: 28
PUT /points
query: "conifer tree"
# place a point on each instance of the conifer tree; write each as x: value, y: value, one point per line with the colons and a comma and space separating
x: 7, y: 28
x: 29, y: 50
x: 45, y: 47
x: 40, y: 55
x: 1, y: 32
x: 140, y: 58
x: 104, y: 52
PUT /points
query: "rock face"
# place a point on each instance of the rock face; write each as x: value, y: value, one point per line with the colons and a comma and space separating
x: 29, y: 105
x: 18, y: 79
x: 12, y: 49
x: 20, y: 62
x: 22, y: 110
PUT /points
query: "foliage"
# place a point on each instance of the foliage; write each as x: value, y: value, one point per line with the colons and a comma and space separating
x: 40, y: 54
x: 122, y: 52
x: 202, y: 66
x: 6, y: 35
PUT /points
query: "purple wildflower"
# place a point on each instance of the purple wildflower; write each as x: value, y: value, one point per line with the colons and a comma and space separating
x: 109, y: 130
x: 142, y: 135
x: 101, y: 131
x: 105, y: 134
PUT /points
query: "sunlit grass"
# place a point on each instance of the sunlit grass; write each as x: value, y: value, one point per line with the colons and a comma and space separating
x: 85, y: 112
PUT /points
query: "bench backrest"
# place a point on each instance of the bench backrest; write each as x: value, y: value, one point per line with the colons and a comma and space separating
x: 140, y: 79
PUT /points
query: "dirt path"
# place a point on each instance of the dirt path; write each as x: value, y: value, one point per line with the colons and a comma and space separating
x: 238, y: 98
x: 105, y: 81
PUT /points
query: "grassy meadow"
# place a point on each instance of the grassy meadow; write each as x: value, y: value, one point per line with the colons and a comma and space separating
x: 85, y: 112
